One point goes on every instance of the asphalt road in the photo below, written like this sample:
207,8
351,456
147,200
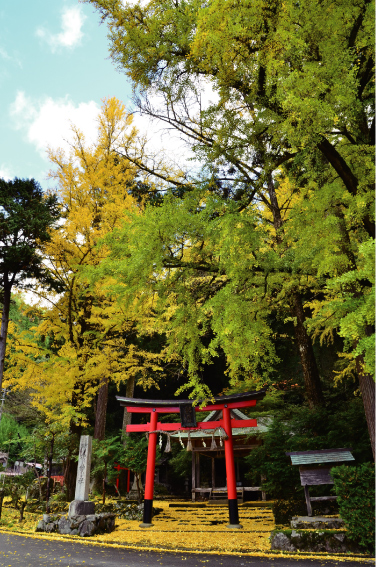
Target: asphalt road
21,551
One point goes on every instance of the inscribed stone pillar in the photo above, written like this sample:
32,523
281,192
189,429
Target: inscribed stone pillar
80,506
83,469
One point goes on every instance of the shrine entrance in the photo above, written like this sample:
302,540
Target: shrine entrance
208,457
222,428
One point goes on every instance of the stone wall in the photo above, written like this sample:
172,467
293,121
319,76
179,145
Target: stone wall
329,541
84,526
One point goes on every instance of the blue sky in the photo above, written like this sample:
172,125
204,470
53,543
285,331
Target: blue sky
54,67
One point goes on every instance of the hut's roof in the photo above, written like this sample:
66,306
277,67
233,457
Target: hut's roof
320,456
263,424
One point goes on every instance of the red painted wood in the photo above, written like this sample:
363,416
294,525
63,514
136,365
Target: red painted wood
117,479
120,468
243,423
152,449
232,405
173,426
229,456
58,478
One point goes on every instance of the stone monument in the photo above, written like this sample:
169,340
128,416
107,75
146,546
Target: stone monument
81,519
81,506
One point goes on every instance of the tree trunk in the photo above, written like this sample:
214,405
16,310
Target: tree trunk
4,328
127,417
367,388
344,171
70,475
48,492
307,357
100,415
104,484
22,509
2,494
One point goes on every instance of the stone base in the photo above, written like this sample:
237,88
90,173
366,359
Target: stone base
316,523
146,525
132,495
82,525
315,541
234,526
81,508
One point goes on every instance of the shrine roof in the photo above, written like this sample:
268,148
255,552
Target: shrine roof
262,426
233,398
320,456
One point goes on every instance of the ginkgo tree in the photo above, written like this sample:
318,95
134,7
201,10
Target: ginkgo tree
92,338
291,93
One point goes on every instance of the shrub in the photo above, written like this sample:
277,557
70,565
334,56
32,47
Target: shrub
284,510
282,480
355,488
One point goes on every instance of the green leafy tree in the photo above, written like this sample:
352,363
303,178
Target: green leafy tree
26,217
293,95
135,458
105,453
11,435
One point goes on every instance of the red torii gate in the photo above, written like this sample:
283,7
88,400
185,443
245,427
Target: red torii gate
120,468
188,423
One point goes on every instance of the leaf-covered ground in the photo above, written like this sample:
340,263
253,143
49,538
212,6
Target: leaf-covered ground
198,528
186,529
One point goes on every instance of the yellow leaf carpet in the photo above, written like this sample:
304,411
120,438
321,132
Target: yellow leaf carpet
188,528
184,528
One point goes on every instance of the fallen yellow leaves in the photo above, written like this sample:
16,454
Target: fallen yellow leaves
10,520
190,530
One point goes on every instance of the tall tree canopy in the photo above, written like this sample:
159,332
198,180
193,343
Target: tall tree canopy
91,338
290,130
26,217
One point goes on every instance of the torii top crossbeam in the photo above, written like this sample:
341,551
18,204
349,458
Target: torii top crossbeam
236,399
188,423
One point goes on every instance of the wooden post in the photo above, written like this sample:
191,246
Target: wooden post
150,472
263,494
198,476
230,471
193,476
213,472
308,501
117,468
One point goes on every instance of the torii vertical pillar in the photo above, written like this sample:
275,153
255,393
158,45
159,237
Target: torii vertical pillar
230,472
150,472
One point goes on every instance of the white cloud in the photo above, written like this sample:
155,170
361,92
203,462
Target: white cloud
5,172
163,138
72,20
5,55
47,122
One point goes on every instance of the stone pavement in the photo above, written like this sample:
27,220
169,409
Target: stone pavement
21,551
